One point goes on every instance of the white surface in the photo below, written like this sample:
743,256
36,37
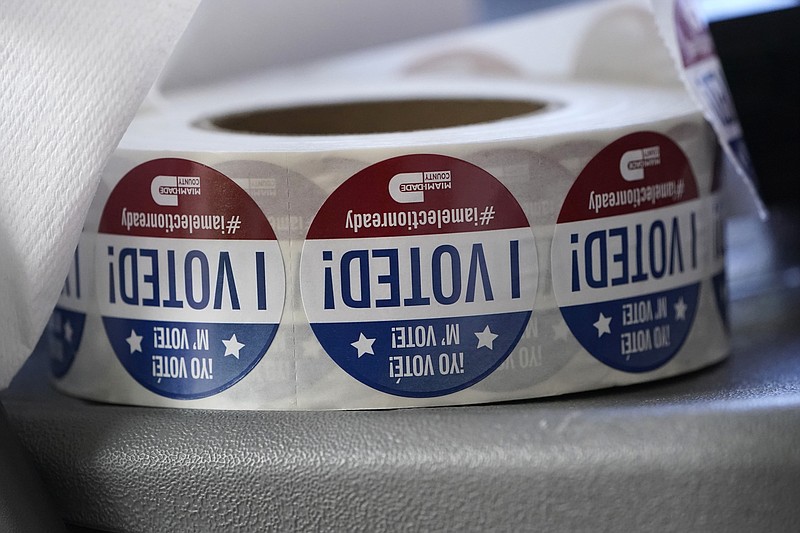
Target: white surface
73,74
232,38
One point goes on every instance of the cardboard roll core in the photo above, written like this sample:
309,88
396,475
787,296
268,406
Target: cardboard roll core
386,116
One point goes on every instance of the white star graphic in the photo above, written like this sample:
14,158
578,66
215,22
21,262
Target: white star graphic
135,342
486,338
68,331
603,325
232,346
680,309
363,345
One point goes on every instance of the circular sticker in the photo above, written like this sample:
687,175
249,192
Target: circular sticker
546,344
419,274
190,278
625,258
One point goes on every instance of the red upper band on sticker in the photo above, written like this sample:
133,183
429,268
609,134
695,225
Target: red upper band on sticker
635,173
177,198
423,194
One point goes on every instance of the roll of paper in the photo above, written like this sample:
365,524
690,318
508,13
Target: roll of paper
403,238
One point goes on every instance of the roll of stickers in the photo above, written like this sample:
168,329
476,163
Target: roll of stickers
442,244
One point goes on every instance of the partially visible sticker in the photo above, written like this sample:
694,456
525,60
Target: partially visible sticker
546,345
718,277
419,274
190,278
66,324
707,80
625,259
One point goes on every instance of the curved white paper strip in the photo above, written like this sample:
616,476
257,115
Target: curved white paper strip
73,74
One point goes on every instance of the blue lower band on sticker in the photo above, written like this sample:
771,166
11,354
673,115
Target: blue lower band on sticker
187,360
422,358
635,334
